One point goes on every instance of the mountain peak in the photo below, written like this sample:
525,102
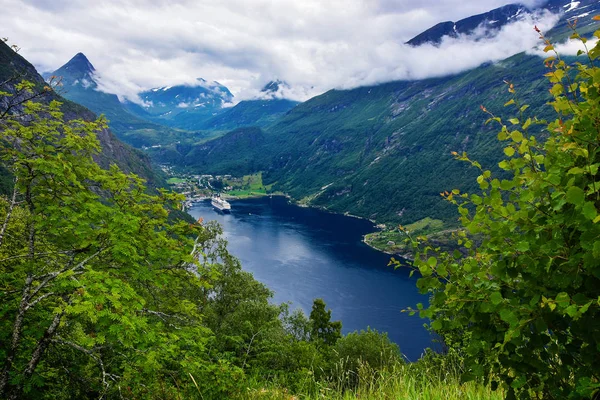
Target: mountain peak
80,63
273,86
78,70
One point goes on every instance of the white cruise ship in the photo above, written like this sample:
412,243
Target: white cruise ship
220,204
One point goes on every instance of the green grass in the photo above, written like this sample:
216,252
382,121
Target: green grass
174,181
249,186
432,379
393,240
241,194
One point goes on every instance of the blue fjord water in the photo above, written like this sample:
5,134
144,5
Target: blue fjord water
304,253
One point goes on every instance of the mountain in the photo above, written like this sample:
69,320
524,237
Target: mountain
183,106
384,152
262,111
79,84
171,114
250,113
489,23
113,151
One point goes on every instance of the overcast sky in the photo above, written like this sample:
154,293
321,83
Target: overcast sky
314,45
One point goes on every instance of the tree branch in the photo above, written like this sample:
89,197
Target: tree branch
91,354
16,337
10,210
48,277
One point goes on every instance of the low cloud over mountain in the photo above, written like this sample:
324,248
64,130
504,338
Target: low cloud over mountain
312,45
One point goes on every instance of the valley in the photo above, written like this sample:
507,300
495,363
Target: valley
380,152
300,200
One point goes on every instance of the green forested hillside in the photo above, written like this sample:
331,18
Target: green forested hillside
385,152
382,152
250,113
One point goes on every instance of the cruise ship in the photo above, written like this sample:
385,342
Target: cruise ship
220,204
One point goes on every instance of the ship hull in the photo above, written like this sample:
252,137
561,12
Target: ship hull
222,208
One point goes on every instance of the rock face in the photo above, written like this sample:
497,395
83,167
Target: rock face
490,22
14,68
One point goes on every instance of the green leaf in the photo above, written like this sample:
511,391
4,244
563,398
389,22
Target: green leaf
522,246
596,249
589,210
496,298
509,317
432,262
575,171
509,151
516,136
563,299
436,325
575,195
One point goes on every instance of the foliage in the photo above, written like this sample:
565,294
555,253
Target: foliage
108,291
99,291
322,329
524,305
364,354
434,377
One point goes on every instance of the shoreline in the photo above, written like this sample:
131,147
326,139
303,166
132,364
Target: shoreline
295,202
378,227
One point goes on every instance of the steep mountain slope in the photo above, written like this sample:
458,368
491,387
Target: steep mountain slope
237,151
132,123
169,115
79,85
12,65
263,110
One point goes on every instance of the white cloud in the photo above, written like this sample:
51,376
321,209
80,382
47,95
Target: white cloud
313,45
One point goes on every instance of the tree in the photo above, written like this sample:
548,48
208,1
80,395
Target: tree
524,305
99,292
322,328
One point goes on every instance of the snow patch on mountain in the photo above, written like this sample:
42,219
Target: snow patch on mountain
571,6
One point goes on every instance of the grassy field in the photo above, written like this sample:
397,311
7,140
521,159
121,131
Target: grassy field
393,240
433,379
173,181
249,186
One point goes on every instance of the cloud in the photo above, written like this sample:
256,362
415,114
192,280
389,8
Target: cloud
313,45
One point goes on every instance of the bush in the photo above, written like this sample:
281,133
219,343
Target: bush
524,304
361,355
